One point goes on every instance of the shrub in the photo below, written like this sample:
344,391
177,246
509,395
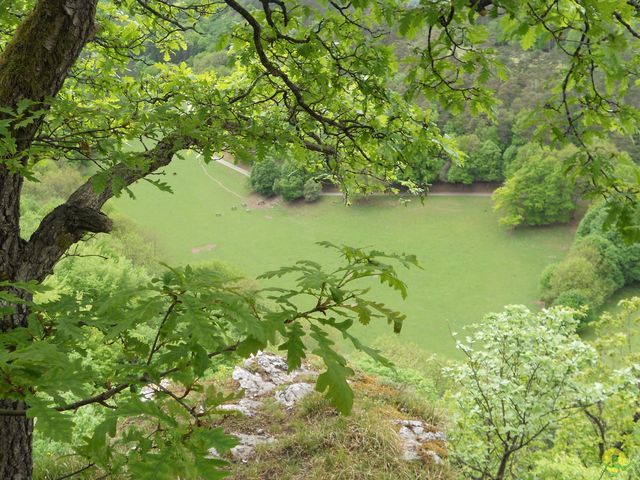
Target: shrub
312,190
577,300
599,263
604,256
573,273
264,175
628,255
588,276
521,378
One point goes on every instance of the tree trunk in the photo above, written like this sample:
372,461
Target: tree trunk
16,461
502,469
33,66
16,431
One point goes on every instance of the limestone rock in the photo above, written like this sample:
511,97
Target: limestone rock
263,372
420,439
245,406
149,391
244,450
293,394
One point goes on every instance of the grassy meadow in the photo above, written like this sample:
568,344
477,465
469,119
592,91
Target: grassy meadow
471,266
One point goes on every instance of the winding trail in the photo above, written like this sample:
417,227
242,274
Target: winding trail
224,187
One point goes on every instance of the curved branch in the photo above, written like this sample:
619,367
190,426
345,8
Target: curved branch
33,67
80,214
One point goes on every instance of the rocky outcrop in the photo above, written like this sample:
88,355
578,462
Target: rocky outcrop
422,441
293,394
265,375
246,446
261,376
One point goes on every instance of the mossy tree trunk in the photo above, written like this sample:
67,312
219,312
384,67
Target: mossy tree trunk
33,66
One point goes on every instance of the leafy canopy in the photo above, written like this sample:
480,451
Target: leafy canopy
97,349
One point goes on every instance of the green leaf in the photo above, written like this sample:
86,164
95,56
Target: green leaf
334,382
55,425
529,38
294,346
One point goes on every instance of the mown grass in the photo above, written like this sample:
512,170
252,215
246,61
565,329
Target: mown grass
471,266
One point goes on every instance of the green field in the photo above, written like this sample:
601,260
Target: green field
471,266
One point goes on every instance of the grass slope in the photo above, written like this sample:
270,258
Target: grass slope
315,443
470,265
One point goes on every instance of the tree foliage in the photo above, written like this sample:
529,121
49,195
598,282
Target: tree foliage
99,348
92,82
312,190
482,163
528,408
537,190
290,183
263,177
599,263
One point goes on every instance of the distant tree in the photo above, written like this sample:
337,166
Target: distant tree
538,192
483,161
290,183
312,190
573,274
264,175
628,253
599,263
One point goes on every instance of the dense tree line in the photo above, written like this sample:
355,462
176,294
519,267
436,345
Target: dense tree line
599,263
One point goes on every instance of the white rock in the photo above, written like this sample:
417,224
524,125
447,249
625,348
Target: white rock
245,406
252,383
244,450
414,434
434,456
149,391
293,393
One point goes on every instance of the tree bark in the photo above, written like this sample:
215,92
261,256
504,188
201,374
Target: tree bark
502,468
15,443
15,430
33,67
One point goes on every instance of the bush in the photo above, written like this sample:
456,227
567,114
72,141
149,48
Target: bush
588,276
577,300
538,192
522,374
604,255
291,182
312,190
598,264
573,273
264,175
628,255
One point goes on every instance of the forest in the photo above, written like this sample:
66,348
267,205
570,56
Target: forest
319,239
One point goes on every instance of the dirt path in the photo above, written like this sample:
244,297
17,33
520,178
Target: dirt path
222,185
232,166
